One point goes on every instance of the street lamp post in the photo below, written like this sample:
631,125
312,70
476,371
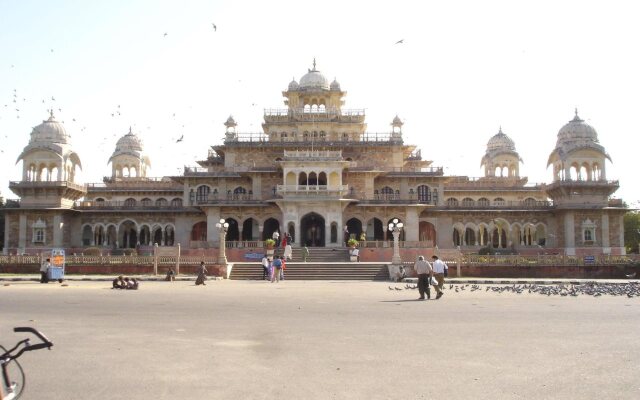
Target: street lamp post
395,227
222,226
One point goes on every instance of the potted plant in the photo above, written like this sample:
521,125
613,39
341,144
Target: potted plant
269,243
352,243
353,253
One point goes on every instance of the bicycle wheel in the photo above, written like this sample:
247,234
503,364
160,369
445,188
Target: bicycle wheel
15,386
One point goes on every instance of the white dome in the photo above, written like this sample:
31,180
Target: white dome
293,85
129,144
500,141
576,129
49,132
335,85
314,79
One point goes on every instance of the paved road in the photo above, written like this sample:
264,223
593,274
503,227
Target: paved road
321,340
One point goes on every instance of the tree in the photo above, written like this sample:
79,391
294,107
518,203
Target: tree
1,222
631,231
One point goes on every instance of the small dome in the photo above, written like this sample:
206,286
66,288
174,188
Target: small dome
129,144
293,85
230,122
576,129
397,121
500,141
48,132
314,79
335,85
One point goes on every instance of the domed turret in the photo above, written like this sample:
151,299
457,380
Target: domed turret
49,156
293,85
578,155
501,158
128,159
335,85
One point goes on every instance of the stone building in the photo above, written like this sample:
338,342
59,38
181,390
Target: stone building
316,172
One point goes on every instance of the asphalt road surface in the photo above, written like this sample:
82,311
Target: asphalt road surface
320,340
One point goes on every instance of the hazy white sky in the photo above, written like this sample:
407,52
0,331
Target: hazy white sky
465,69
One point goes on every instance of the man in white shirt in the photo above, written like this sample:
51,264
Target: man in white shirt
276,238
356,253
265,268
44,270
438,272
424,270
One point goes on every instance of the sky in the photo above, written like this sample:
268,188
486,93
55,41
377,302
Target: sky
463,70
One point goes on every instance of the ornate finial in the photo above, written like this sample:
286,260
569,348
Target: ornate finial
314,63
51,113
130,132
500,130
576,118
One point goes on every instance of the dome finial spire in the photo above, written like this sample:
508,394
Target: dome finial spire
576,118
51,113
314,63
500,129
130,132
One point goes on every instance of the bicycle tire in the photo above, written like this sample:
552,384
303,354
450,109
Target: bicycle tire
16,375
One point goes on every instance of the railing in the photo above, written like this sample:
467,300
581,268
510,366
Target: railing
512,205
134,183
464,182
319,114
546,260
312,190
428,171
201,171
123,205
313,155
47,184
363,139
215,198
389,243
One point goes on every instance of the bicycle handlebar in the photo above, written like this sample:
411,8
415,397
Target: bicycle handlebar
42,337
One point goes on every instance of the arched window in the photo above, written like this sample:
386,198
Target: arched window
530,202
387,193
146,202
161,202
468,202
202,194
452,202
239,193
424,194
130,202
176,203
484,202
498,201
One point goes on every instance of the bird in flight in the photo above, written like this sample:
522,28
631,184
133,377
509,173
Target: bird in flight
399,41
215,28
165,34
180,140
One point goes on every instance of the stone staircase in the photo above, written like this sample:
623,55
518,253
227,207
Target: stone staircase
329,271
318,254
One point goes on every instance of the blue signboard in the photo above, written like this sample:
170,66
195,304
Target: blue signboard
253,256
589,259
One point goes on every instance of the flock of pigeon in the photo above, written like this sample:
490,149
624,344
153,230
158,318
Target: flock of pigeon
595,289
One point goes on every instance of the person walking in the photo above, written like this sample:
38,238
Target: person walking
202,274
277,268
44,270
265,268
438,272
288,252
424,271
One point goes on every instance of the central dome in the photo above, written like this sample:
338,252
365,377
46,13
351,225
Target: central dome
314,80
129,144
577,130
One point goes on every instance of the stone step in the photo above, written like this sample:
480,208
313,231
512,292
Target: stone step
316,271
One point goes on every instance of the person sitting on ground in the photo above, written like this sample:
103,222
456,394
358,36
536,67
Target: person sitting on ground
133,284
171,275
119,283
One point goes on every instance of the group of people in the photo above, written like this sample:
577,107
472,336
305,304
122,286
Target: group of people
430,274
125,283
273,269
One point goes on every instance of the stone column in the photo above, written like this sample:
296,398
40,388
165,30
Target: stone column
569,234
411,225
606,242
327,233
298,236
7,223
22,232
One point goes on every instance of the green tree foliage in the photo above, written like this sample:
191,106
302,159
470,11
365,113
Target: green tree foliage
631,231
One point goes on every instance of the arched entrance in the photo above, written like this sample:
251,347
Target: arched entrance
374,229
427,232
312,230
354,225
270,225
128,234
199,231
233,233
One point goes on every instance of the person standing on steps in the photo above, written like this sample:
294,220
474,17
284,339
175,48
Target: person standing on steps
305,253
265,268
276,237
424,271
438,272
277,268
